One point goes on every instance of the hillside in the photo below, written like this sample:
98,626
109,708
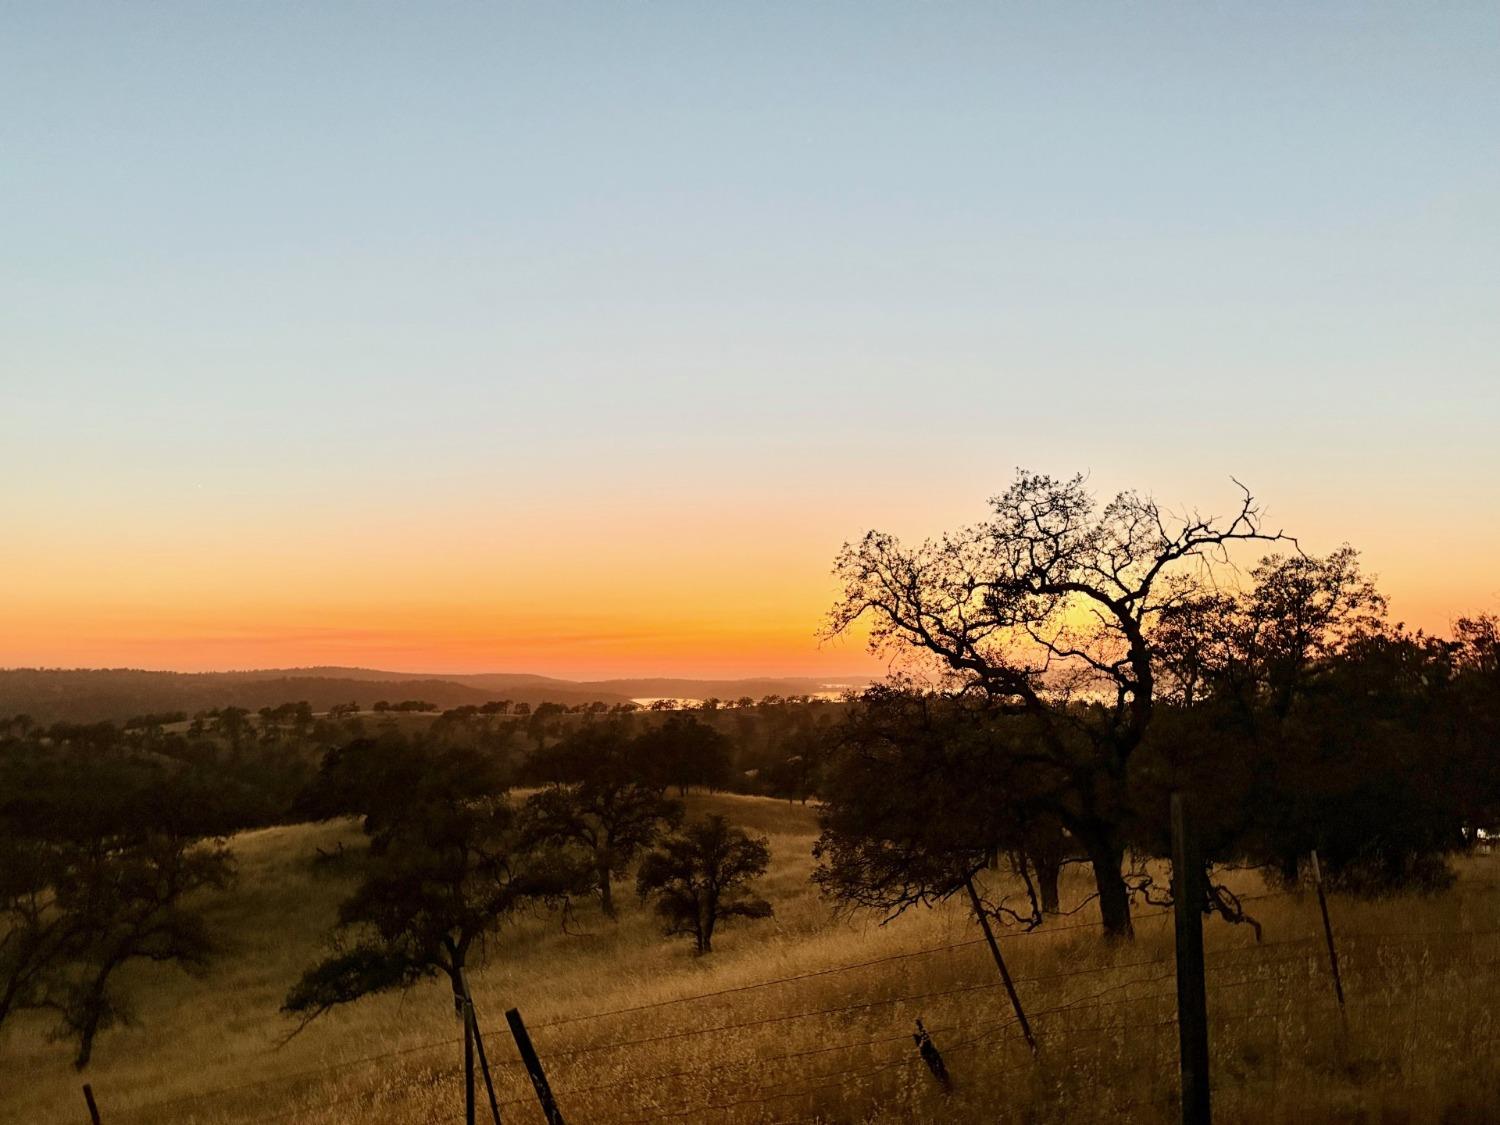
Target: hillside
496,680
87,695
807,1015
93,695
676,687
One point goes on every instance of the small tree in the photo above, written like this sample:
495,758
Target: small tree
543,722
234,724
450,862
99,848
129,907
684,751
595,798
701,876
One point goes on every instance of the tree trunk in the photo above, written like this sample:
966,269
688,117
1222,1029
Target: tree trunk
456,979
606,897
25,964
1108,860
1289,867
1043,850
86,1018
85,1045
707,916
89,1012
1047,868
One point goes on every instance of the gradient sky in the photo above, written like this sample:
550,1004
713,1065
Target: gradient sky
576,338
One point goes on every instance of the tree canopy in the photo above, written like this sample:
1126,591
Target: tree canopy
700,876
451,859
1045,609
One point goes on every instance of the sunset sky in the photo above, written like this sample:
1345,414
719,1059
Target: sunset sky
575,339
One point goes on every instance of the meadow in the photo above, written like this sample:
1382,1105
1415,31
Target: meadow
807,1016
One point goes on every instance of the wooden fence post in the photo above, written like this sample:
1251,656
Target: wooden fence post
484,1062
1010,988
88,1097
1192,993
1333,953
468,1064
534,1068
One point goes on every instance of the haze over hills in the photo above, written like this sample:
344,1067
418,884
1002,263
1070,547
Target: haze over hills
628,687
97,694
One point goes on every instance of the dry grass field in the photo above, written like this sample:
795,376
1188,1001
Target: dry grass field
832,1045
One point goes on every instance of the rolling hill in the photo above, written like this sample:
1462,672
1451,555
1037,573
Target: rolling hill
97,694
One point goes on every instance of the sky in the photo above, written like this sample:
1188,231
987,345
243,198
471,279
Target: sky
575,339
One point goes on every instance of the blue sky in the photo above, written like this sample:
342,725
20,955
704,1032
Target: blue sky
274,270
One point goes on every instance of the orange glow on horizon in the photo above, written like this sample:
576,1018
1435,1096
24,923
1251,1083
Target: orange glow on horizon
775,634
697,590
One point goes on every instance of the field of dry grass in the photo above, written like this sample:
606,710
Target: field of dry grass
833,1045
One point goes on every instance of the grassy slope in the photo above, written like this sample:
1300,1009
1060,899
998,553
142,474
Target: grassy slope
1417,1048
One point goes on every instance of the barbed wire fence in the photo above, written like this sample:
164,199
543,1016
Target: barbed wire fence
604,1079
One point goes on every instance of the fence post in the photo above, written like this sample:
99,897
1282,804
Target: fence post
88,1096
1333,953
468,1063
484,1062
1010,988
534,1068
1192,993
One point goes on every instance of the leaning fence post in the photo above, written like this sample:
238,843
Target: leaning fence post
468,1063
534,1068
1010,988
88,1096
1192,993
1333,953
484,1062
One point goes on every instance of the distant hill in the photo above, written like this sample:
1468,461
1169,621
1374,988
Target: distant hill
655,687
91,695
501,681
82,695
644,687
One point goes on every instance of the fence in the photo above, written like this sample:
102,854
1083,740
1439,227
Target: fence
1104,1024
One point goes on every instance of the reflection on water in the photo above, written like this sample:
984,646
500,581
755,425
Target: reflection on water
836,692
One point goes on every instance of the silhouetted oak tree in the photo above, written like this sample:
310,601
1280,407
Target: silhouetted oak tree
682,750
450,861
130,905
700,876
1045,610
596,798
99,848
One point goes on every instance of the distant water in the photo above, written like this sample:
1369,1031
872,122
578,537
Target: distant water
682,701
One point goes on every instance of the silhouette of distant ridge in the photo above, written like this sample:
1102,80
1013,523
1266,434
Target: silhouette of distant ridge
96,694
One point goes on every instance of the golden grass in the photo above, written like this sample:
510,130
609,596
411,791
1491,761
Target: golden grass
1417,1049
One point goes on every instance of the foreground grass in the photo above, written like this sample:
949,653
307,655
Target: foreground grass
833,1047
